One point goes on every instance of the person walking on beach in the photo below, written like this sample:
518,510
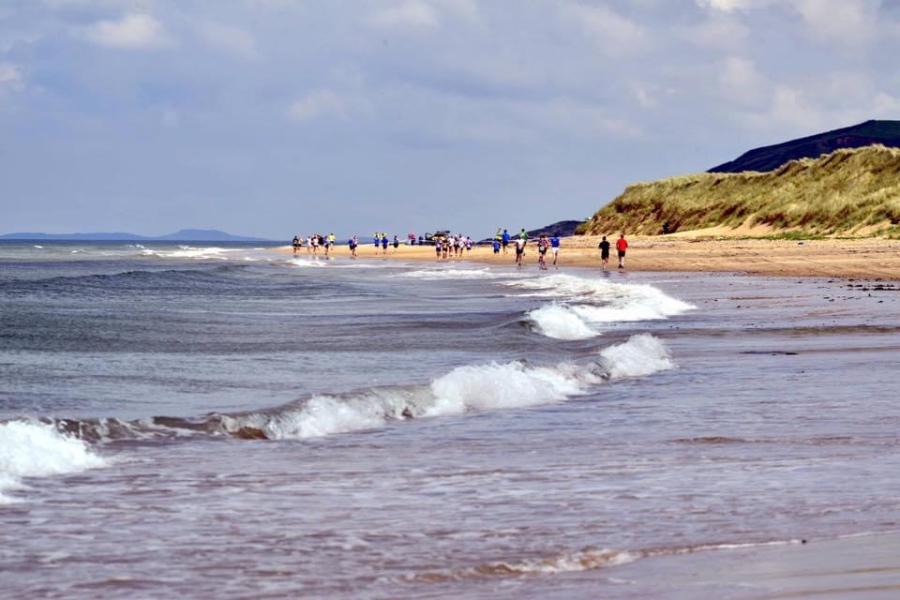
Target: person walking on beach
353,243
604,252
621,247
520,250
296,244
437,248
384,243
554,247
504,240
396,243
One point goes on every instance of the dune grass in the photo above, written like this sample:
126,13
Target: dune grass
842,193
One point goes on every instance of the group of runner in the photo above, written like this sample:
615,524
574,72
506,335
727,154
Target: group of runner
545,243
313,243
621,247
452,246
381,241
458,245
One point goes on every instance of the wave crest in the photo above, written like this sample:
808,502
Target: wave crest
39,450
581,306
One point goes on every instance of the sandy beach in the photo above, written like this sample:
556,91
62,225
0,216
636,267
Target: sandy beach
869,258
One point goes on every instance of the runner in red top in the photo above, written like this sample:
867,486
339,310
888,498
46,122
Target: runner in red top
622,246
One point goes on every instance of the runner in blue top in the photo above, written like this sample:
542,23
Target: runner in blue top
554,247
505,240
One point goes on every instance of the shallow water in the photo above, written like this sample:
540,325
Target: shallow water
430,431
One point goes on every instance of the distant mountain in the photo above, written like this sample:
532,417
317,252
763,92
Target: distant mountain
184,235
770,158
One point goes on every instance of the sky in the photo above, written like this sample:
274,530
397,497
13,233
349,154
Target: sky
276,117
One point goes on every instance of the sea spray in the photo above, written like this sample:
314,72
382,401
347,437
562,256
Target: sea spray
37,450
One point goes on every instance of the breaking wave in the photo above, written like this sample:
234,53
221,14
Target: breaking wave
581,307
472,388
208,253
29,449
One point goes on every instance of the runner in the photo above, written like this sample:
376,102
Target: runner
353,243
296,244
554,246
604,252
384,243
622,246
520,250
396,243
504,239
542,252
437,248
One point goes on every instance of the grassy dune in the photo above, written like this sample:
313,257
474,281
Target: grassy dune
852,192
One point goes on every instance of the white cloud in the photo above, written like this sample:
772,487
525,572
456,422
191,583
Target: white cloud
724,32
741,81
10,74
843,21
134,31
615,34
790,107
318,103
409,15
847,22
230,39
734,5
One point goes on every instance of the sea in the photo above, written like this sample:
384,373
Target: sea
225,421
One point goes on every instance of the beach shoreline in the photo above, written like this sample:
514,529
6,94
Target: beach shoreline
842,567
868,258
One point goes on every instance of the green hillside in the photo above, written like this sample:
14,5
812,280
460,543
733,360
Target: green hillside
847,192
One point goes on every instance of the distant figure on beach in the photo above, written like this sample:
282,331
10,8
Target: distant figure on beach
396,243
604,252
543,244
554,247
523,235
353,243
384,243
520,250
377,241
296,243
437,248
496,245
622,246
504,239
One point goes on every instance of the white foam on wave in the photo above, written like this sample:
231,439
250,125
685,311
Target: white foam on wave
209,253
493,386
642,355
445,274
301,262
583,306
38,450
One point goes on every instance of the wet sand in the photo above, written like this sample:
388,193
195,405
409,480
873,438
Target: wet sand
848,259
865,566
